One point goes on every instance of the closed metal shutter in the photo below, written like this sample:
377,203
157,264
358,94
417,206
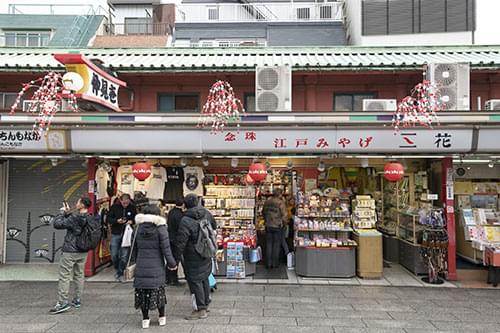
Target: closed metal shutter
432,15
400,17
36,191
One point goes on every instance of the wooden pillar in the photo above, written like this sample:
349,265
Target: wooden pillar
449,207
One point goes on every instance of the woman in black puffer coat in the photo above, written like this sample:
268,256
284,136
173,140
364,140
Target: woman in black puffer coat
153,250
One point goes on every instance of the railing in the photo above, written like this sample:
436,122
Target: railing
259,12
156,29
55,9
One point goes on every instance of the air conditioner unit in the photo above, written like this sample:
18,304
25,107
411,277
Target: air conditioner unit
454,84
273,88
379,105
492,105
28,103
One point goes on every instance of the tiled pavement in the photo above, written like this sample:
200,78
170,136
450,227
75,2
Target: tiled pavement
238,307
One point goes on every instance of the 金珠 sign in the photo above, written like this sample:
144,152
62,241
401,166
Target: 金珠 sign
98,87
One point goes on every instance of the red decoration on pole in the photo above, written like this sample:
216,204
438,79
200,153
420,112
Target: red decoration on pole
47,100
420,108
221,107
393,171
257,171
248,180
141,170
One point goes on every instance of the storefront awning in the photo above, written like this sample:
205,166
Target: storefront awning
246,59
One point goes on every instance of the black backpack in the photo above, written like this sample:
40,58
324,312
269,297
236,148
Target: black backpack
206,244
91,233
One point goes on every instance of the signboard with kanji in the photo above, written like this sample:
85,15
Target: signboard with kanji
27,140
98,86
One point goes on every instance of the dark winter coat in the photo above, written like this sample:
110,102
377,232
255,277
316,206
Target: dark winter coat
275,213
73,224
152,248
116,212
196,268
173,221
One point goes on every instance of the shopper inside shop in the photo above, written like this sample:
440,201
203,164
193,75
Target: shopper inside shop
174,218
197,268
120,214
153,250
275,217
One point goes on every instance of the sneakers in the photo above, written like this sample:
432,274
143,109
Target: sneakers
162,321
196,315
145,323
76,303
60,308
121,279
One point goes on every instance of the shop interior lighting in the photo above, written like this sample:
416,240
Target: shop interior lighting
205,161
491,164
54,161
472,161
364,162
321,166
184,162
234,162
289,164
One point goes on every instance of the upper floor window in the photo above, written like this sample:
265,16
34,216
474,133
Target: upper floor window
344,102
213,13
26,38
178,102
392,17
7,99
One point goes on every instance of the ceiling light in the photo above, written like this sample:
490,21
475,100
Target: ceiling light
321,166
289,164
205,161
364,163
234,162
184,162
53,161
491,164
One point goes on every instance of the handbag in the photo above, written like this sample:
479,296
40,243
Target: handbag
129,272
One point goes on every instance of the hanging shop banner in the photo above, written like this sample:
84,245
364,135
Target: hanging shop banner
29,141
488,140
98,86
438,140
136,141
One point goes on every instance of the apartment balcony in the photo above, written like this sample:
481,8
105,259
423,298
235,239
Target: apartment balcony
260,12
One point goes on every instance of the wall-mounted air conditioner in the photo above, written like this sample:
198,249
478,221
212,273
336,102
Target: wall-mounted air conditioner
492,105
273,88
454,84
379,105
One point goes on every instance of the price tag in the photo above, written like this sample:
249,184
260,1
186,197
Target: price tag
432,196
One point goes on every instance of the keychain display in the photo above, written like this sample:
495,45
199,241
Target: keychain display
434,249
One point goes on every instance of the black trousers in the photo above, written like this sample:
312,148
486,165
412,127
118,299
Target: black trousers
201,291
274,241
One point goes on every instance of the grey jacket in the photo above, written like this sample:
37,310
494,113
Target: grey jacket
73,224
275,213
152,248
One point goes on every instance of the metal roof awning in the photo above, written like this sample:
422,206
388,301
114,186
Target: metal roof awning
246,59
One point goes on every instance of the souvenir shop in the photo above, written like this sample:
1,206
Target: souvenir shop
346,214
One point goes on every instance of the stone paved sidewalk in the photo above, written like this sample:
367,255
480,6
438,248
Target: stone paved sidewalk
107,307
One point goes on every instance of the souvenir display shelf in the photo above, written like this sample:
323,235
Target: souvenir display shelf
233,207
323,246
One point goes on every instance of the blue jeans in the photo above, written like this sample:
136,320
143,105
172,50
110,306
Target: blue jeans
119,254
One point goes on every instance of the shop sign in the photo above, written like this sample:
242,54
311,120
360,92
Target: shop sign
405,141
98,86
27,140
488,140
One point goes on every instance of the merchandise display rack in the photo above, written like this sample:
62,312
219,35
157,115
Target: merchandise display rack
323,246
233,207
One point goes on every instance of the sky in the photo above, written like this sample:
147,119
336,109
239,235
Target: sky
487,22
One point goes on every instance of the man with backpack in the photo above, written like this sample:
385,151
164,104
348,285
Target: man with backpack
83,233
196,241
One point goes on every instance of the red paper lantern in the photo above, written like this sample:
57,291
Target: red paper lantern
258,172
393,172
141,170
